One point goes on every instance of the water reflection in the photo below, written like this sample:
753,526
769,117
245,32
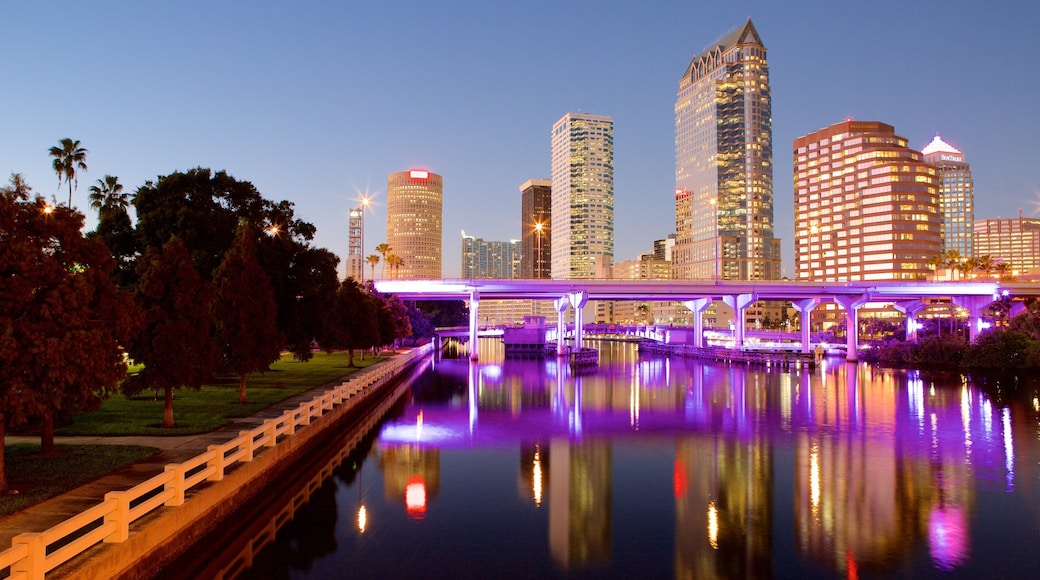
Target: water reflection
670,467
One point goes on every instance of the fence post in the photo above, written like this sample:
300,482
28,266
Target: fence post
217,463
271,426
34,564
248,455
176,485
120,516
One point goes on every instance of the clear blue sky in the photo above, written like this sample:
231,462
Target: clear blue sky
316,102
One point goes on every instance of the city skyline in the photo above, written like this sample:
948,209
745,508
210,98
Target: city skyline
318,104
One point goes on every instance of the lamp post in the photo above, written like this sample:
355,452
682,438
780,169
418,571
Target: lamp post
538,249
715,240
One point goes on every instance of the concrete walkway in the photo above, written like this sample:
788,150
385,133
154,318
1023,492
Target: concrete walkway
49,513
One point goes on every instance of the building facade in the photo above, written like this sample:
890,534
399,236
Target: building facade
1012,241
956,196
489,260
356,243
414,214
724,164
866,206
536,237
582,227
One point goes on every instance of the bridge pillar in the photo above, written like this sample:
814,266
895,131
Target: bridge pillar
474,319
805,308
578,301
697,307
739,304
852,304
910,308
974,305
561,324
1017,308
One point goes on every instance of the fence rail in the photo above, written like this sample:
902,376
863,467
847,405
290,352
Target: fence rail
33,554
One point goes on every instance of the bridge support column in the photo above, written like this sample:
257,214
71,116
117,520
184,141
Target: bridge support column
578,301
852,304
974,305
739,304
474,319
697,307
910,308
561,324
805,308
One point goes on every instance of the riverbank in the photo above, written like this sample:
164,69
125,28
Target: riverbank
228,488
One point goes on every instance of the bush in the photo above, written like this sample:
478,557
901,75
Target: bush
1000,350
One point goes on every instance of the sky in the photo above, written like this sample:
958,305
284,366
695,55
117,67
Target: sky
318,102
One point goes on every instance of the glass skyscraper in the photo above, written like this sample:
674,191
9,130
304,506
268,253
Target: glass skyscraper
956,196
724,164
582,196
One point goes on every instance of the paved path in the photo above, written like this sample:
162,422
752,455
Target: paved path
49,513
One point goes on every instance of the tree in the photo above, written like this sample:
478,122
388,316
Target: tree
69,160
107,195
373,261
395,262
384,250
62,320
176,344
244,311
354,322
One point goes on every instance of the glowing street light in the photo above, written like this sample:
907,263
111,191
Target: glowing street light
538,227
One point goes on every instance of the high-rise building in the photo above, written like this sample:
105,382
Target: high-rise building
582,195
866,206
414,202
1011,241
356,243
956,195
489,260
724,164
536,221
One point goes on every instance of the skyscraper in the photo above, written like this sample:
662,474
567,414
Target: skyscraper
582,195
536,221
489,260
1014,242
866,206
413,222
956,195
724,164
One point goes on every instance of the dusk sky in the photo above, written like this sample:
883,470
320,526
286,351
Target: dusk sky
318,102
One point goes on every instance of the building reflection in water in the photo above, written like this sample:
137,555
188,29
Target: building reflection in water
883,462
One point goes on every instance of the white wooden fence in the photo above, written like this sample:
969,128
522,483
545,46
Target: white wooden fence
33,554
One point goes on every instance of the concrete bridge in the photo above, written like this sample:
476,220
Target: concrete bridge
909,298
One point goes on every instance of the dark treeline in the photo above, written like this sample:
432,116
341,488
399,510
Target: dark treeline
191,275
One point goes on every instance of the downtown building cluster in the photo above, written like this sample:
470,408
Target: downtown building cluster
866,205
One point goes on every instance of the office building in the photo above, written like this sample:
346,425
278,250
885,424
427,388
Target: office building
866,206
414,201
956,196
724,164
582,196
489,260
1014,242
536,237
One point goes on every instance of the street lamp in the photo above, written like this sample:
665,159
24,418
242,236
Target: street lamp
715,245
538,226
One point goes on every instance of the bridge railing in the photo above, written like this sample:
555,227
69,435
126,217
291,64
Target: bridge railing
34,554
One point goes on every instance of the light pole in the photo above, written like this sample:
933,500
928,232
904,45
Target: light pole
715,240
538,249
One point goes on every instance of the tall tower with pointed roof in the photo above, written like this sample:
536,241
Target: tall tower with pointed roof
956,196
724,164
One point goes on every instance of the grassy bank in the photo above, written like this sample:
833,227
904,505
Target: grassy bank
216,404
38,478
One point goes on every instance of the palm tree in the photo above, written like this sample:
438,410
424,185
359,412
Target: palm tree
395,263
69,158
373,260
107,195
384,249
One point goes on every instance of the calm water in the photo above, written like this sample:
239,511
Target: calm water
659,468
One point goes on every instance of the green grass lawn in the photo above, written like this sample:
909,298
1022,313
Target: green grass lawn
215,404
38,477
